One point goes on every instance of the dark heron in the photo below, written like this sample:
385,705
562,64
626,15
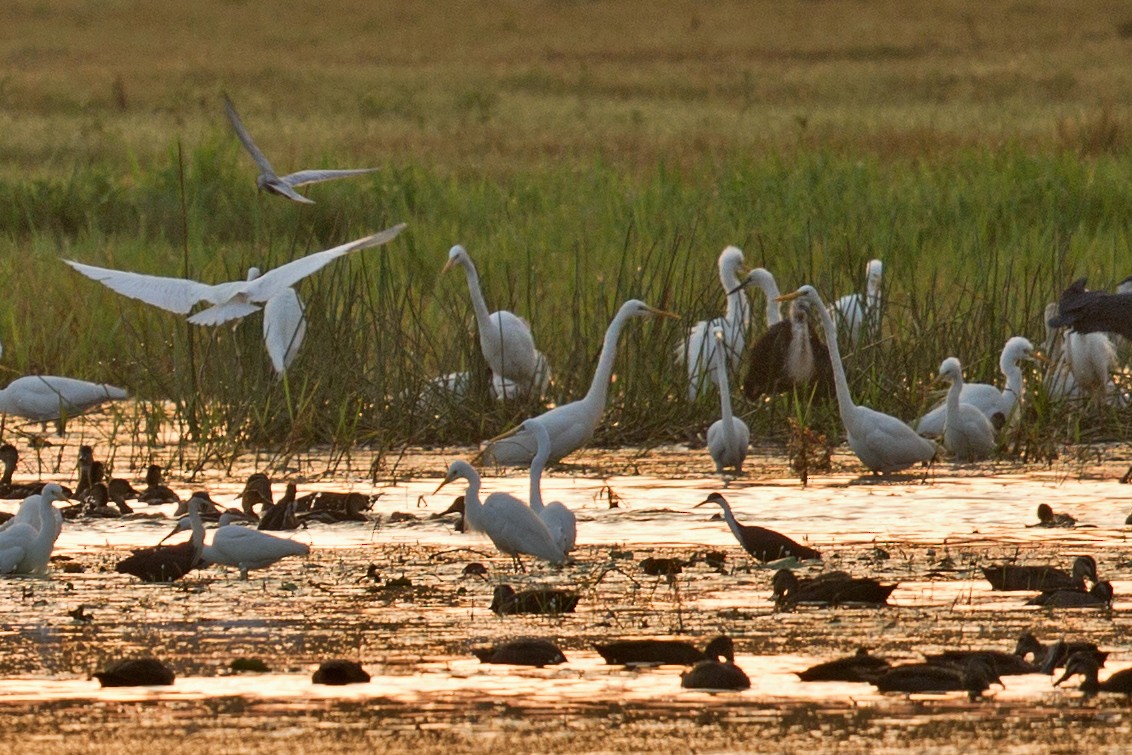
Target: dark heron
790,356
1093,311
762,543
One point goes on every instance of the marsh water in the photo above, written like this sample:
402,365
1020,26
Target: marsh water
413,617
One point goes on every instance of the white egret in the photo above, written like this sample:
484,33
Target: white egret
763,278
728,437
26,543
232,300
49,398
509,523
967,432
571,425
246,548
854,312
1081,363
517,368
988,399
284,326
789,356
882,442
284,186
697,350
561,522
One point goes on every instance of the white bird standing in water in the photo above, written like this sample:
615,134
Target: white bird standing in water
728,437
268,179
26,545
988,399
246,548
697,352
232,300
559,520
882,442
570,426
517,368
967,433
510,524
854,312
48,398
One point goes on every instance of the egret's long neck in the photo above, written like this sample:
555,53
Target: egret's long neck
730,519
1013,373
953,397
537,465
725,399
472,505
773,306
845,403
738,315
197,538
483,323
599,386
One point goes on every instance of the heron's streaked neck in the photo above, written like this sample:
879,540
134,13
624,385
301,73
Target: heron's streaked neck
845,403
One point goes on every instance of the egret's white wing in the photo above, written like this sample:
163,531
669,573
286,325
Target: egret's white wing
172,294
245,137
283,328
232,309
273,282
304,177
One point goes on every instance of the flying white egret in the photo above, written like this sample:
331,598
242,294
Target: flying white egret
728,437
882,442
48,398
967,432
232,300
571,425
26,545
854,312
509,523
269,180
284,327
988,399
561,522
697,350
789,356
246,548
517,368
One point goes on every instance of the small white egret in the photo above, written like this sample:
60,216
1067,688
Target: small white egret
967,433
284,327
26,543
517,368
728,437
696,353
988,399
49,398
246,548
268,180
232,300
789,356
571,425
882,442
509,523
561,522
854,312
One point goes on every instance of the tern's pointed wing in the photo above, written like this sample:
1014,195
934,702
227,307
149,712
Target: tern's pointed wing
246,138
274,281
304,177
283,189
172,294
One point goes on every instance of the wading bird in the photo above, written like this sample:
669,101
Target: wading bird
728,438
247,548
698,350
571,425
269,180
996,404
559,520
882,442
168,563
764,280
517,368
48,398
509,523
1081,364
967,433
790,356
854,312
763,544
284,326
26,542
229,301
1093,311
717,672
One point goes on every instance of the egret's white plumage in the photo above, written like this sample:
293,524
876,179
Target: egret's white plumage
246,548
764,280
48,398
26,545
988,399
559,520
882,442
510,524
854,312
728,437
967,432
517,368
571,425
232,300
697,351
269,180
284,327
1081,364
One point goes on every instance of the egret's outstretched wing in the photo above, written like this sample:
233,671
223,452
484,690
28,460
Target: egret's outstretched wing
275,281
304,177
245,137
172,294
